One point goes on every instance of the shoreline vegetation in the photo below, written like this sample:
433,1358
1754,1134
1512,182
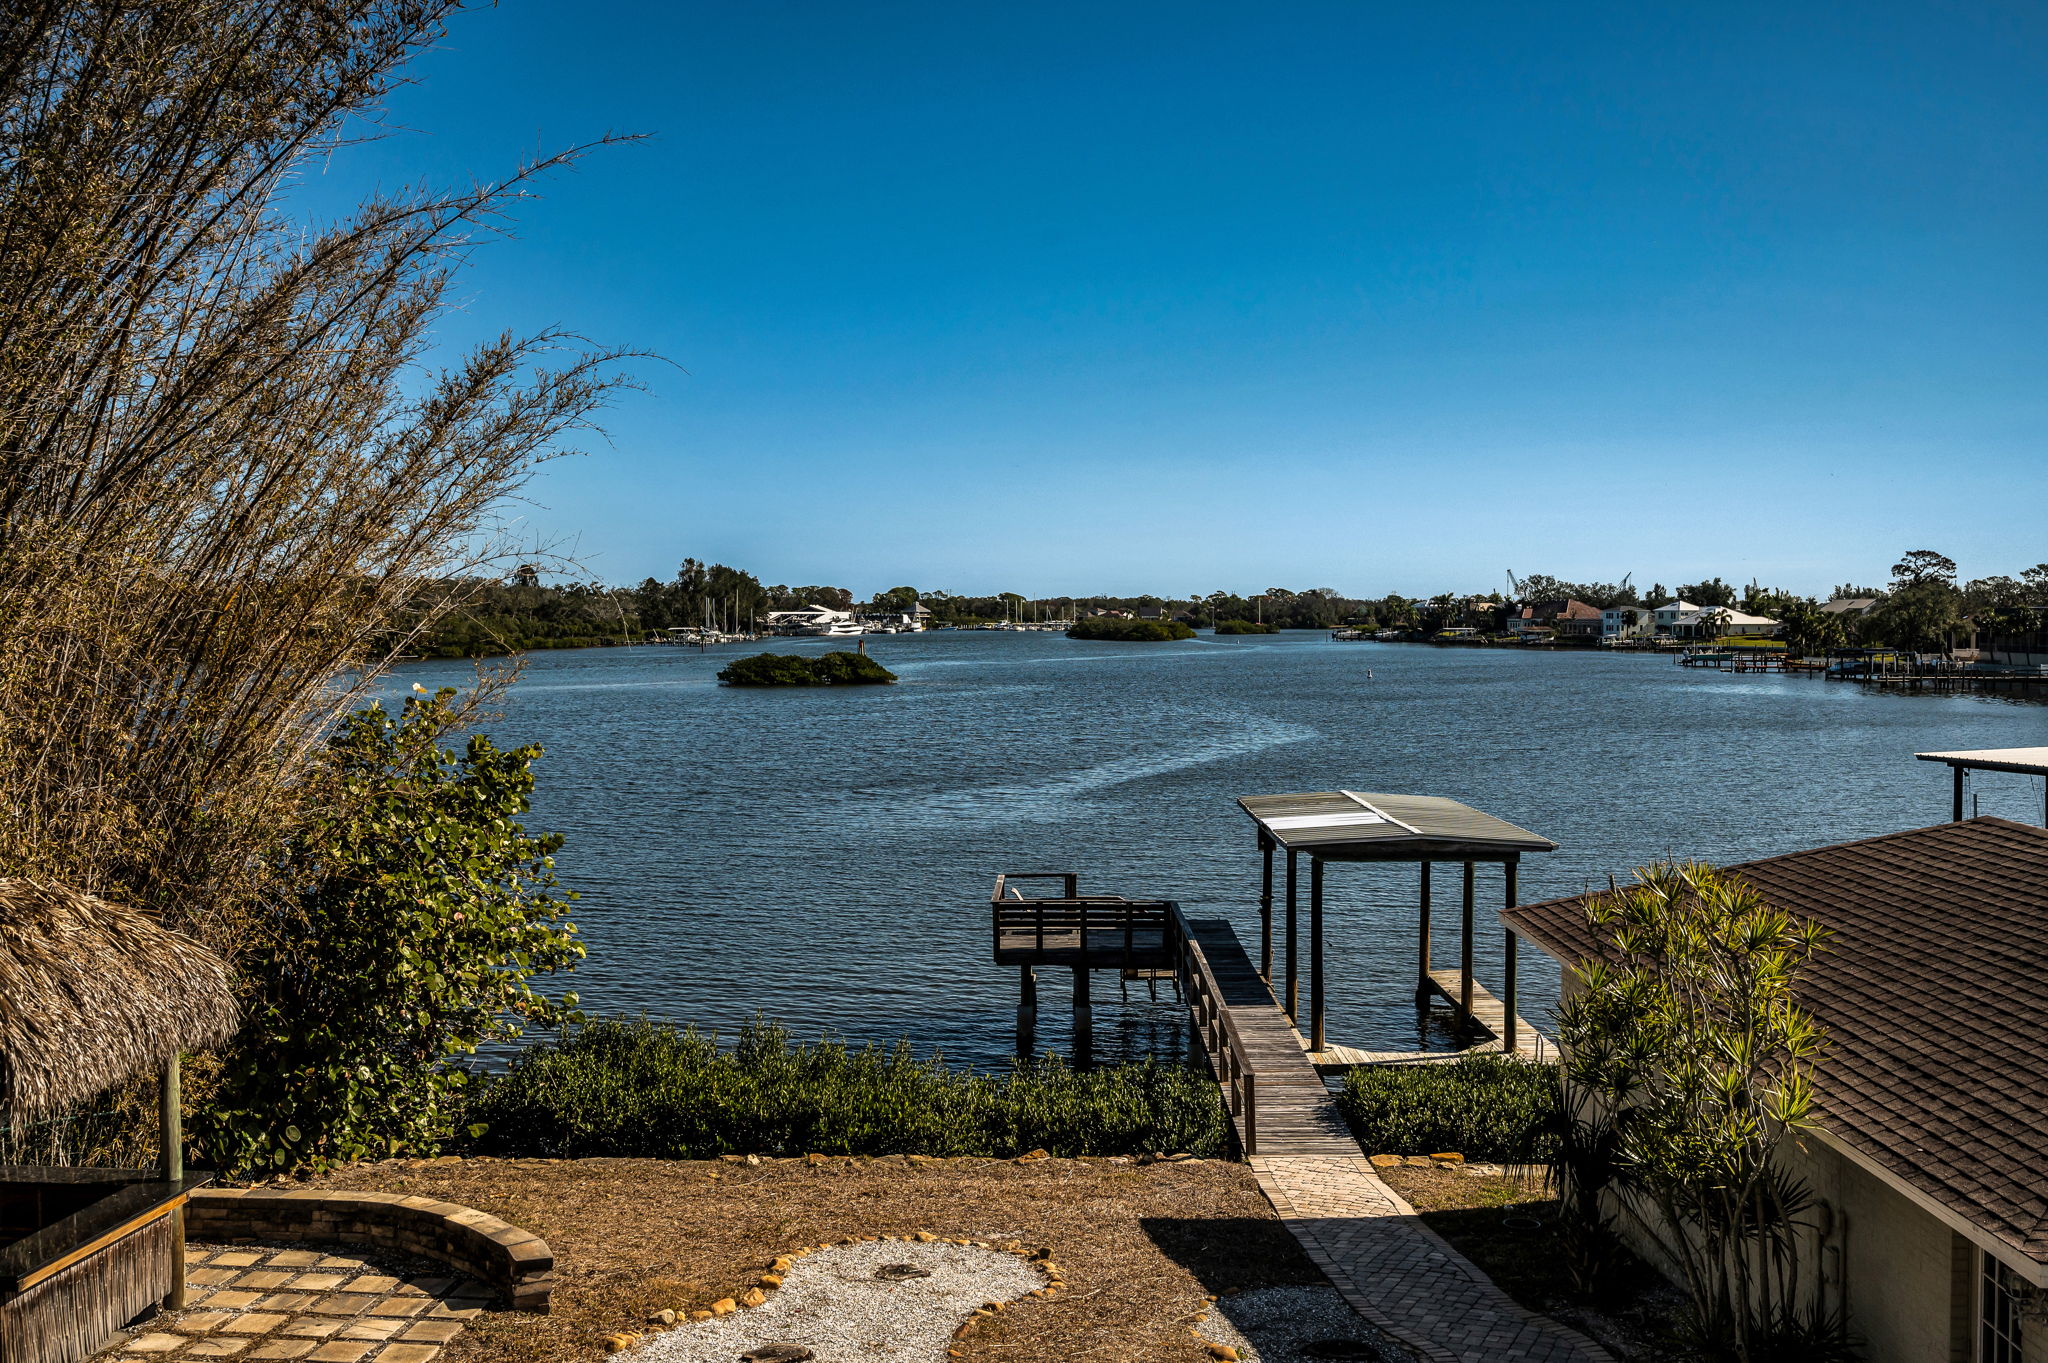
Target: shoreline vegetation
791,669
1114,630
622,1087
1926,606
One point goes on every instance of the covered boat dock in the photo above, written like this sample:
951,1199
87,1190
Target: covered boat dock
2023,761
1350,826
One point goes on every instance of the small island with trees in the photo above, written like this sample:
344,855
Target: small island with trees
1245,627
1111,628
789,669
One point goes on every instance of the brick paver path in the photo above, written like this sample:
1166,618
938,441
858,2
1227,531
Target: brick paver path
259,1302
1399,1275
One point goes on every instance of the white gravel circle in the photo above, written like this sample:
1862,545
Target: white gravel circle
1278,1324
831,1303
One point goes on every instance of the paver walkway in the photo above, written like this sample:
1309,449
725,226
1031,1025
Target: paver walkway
265,1302
1398,1274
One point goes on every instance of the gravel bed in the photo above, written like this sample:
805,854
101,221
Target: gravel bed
1297,1325
832,1303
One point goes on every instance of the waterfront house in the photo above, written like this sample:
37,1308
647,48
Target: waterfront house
1713,622
1850,606
1930,1164
1630,621
1567,619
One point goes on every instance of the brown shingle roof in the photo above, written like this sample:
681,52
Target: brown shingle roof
1934,992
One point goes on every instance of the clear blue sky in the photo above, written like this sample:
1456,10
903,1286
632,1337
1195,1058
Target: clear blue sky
1128,297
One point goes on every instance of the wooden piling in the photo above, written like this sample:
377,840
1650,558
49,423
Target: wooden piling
1291,1004
1266,908
1465,945
1422,947
1315,952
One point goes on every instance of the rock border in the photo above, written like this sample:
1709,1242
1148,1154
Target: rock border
517,1263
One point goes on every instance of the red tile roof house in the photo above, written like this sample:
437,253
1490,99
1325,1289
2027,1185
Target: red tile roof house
1568,619
1932,1156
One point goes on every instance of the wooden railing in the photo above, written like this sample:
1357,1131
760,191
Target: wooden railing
1228,1058
1013,916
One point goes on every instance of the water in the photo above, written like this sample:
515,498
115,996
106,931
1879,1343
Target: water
824,857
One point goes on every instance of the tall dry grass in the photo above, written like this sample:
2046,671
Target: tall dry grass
226,462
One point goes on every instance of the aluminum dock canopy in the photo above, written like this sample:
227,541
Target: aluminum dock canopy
1348,825
2025,761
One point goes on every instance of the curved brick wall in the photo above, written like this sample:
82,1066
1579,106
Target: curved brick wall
501,1255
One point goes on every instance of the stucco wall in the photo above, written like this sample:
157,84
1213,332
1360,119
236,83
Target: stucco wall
1905,1272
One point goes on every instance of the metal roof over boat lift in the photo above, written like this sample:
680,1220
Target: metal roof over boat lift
1347,825
2030,761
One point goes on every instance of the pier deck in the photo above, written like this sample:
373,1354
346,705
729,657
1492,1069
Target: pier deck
1490,1015
1295,1113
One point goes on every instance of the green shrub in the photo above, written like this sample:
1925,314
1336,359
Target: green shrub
789,669
1130,631
1244,627
623,1087
423,911
1485,1106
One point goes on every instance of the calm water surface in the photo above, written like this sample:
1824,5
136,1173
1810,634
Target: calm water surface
824,857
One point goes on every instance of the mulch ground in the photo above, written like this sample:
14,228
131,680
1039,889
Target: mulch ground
1140,1246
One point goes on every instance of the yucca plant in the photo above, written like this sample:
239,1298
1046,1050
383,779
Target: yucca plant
1688,1066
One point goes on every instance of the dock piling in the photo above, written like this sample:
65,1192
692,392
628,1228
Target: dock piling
1266,908
1422,949
1465,942
1315,952
1291,1004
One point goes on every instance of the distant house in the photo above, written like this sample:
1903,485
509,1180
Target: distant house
1850,605
1632,620
1567,619
1151,612
1927,1167
1683,620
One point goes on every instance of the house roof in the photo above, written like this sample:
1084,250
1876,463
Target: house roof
92,994
1933,990
1841,604
1344,825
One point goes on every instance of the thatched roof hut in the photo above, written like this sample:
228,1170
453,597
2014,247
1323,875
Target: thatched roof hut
92,995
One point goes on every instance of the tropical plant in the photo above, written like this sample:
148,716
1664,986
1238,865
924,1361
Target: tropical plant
422,914
1688,1067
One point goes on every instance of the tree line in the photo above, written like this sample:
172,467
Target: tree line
1924,606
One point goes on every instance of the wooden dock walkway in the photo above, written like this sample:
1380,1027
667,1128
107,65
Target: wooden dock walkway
1294,1113
1490,1015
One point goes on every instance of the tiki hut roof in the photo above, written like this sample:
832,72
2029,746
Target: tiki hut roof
92,994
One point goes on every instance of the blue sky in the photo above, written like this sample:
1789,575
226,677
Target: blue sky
1171,297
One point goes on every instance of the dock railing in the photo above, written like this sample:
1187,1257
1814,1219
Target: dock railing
1228,1057
1135,927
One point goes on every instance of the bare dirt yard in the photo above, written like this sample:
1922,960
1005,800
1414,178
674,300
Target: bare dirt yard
1140,1246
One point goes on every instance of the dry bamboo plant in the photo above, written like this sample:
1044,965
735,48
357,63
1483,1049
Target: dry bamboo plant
226,469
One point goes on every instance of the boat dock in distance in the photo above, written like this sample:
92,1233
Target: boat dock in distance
1269,1070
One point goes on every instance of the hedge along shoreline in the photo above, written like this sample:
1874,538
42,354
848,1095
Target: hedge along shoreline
1485,1106
636,1088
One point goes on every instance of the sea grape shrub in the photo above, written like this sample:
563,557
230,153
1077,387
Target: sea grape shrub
1130,631
1486,1106
634,1088
421,915
851,668
789,669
